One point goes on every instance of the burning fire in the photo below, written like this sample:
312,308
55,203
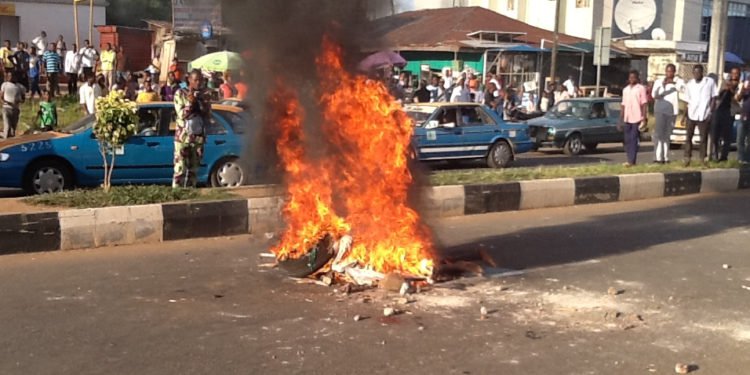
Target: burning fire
366,168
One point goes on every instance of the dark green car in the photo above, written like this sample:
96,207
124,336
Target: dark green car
577,124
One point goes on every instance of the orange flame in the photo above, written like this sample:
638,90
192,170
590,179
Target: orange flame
368,138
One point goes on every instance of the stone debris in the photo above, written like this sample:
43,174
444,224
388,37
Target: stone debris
726,266
483,313
357,318
404,289
389,311
392,282
612,291
681,368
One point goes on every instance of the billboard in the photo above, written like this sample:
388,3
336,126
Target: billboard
190,15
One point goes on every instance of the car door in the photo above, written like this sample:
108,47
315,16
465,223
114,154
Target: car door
596,128
613,134
444,141
147,156
217,142
479,129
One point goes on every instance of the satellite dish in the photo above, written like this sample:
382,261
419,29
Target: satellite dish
658,34
635,16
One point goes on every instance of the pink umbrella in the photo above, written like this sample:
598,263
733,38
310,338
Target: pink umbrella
381,59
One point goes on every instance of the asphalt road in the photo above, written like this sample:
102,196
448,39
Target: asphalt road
605,153
205,306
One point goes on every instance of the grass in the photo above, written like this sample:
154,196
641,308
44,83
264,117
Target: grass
487,176
68,111
126,196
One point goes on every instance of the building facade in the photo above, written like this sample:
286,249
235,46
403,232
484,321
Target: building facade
23,20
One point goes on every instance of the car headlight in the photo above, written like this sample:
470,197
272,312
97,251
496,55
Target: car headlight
4,156
551,131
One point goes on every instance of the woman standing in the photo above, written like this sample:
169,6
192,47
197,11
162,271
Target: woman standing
666,108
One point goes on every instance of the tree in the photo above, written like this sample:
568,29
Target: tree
132,12
116,121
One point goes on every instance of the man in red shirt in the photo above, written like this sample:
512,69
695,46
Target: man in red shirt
241,87
633,115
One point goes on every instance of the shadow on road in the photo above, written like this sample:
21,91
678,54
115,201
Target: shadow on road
611,234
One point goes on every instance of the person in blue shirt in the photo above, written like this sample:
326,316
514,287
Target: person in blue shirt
52,64
35,69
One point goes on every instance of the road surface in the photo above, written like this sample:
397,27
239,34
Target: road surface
205,306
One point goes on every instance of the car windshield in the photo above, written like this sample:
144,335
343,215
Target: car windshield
239,121
569,108
79,126
419,114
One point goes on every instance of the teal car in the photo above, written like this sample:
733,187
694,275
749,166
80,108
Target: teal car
577,124
465,131
55,161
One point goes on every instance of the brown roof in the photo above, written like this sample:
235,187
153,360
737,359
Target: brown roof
446,29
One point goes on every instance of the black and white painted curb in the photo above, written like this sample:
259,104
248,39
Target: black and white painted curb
89,228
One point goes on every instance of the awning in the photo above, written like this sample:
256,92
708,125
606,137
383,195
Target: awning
731,58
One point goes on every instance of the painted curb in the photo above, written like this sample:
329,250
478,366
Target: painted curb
113,226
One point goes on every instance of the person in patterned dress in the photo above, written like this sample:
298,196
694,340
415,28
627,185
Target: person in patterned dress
193,112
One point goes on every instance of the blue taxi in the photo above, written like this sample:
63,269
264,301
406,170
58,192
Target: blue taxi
454,131
54,161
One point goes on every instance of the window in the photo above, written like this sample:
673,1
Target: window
447,116
511,4
472,116
597,110
583,3
148,118
614,109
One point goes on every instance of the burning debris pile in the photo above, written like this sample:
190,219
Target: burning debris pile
347,212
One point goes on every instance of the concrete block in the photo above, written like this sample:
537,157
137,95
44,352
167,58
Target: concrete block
25,233
641,186
265,214
681,183
719,180
77,229
113,226
591,190
480,199
443,201
744,178
558,192
148,223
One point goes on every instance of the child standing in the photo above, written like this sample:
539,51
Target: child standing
46,117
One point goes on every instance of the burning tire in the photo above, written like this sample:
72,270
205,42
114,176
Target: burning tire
500,155
315,258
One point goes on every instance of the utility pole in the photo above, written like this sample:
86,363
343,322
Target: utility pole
75,22
718,39
553,61
91,22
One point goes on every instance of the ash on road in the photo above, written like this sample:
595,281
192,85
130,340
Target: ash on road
205,306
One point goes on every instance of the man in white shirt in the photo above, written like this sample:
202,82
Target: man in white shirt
40,43
700,95
570,87
88,58
72,67
666,108
87,95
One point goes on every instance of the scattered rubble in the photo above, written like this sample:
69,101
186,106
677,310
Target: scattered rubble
726,266
681,368
357,318
482,313
389,311
612,291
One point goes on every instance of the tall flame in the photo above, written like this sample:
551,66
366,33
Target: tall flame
368,138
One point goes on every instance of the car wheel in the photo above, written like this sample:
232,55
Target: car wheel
500,155
573,145
48,176
591,147
228,173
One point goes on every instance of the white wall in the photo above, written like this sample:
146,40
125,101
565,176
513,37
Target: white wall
578,21
57,19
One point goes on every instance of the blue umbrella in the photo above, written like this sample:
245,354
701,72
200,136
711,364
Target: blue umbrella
732,59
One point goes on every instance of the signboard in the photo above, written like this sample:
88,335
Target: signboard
207,30
190,15
602,43
7,9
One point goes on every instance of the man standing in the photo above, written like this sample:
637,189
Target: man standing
88,58
723,119
6,63
109,62
666,108
121,64
743,130
21,65
193,110
40,43
700,94
60,46
87,94
72,67
634,114
52,64
13,96
570,86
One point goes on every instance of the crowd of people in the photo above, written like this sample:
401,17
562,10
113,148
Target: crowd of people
88,74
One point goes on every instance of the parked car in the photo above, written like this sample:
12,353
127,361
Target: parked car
454,131
679,134
54,161
575,124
